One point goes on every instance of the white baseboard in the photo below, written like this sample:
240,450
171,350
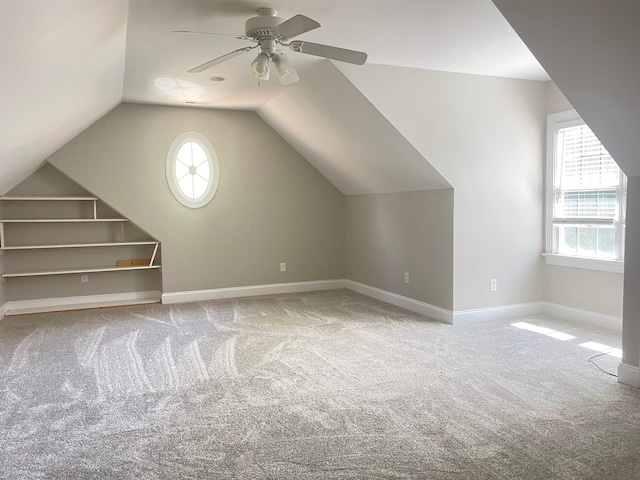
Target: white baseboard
582,316
401,301
464,317
459,317
41,305
250,291
629,375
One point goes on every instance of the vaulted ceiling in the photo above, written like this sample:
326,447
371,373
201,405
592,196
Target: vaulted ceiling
65,63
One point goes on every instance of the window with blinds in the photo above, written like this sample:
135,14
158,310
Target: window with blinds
587,195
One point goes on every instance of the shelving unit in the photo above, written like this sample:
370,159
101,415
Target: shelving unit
67,271
61,220
22,198
25,248
77,245
43,198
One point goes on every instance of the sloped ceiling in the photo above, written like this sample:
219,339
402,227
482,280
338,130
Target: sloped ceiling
590,49
62,67
65,63
346,138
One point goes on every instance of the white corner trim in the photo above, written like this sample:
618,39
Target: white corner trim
21,307
463,317
612,266
629,375
250,291
401,301
3,310
582,316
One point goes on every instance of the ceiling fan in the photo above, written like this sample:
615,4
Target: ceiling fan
269,32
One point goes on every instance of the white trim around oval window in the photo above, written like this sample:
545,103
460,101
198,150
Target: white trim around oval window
213,170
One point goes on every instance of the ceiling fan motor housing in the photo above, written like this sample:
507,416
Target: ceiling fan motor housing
260,27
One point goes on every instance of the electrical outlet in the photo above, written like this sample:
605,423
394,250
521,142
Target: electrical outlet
283,267
406,277
493,285
84,278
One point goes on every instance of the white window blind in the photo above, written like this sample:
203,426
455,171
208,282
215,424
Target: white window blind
587,195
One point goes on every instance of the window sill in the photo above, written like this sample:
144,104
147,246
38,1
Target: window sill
613,266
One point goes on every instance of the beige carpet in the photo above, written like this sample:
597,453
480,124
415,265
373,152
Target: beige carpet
324,385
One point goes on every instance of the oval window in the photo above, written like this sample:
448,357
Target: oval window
192,170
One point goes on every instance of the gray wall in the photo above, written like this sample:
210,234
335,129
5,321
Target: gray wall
631,319
485,136
389,234
272,206
590,290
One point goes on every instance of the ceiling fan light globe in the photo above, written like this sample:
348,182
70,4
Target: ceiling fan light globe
290,79
283,65
286,72
260,66
264,77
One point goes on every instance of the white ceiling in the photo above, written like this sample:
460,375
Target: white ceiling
66,63
467,36
61,69
346,138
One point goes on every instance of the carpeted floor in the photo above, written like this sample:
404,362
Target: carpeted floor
323,385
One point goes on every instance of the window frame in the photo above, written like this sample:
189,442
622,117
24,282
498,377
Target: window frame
170,169
555,121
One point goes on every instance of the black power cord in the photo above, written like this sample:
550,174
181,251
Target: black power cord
590,360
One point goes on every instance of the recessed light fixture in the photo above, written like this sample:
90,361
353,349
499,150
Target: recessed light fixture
217,79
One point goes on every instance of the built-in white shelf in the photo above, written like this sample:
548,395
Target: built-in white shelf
78,245
68,271
48,199
61,220
4,223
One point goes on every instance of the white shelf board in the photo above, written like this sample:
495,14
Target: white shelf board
47,199
78,245
61,220
67,271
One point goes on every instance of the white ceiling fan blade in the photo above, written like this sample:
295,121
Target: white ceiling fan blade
223,58
334,53
195,32
296,25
